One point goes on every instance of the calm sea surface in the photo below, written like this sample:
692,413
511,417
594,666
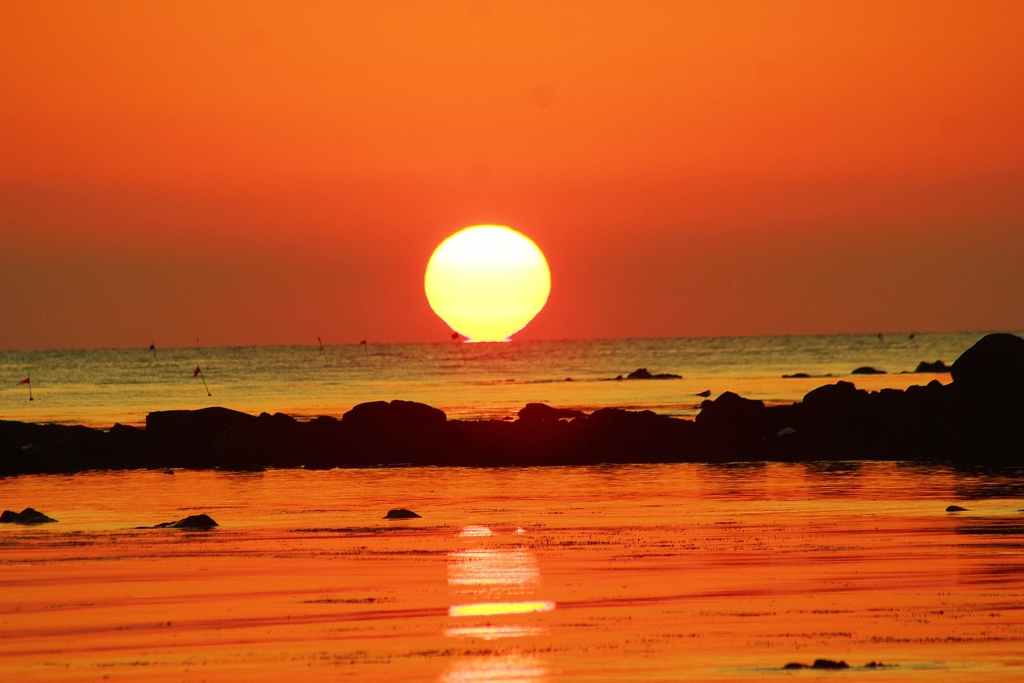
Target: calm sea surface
101,387
533,575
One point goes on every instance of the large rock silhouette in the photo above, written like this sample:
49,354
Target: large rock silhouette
992,371
977,419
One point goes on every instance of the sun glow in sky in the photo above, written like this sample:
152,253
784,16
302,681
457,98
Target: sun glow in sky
267,173
487,282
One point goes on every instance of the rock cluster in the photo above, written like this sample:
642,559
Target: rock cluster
26,516
976,419
194,522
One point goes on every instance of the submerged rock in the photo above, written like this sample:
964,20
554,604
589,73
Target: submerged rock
26,516
818,664
797,375
955,508
867,370
199,522
703,394
541,412
829,664
937,366
401,513
642,373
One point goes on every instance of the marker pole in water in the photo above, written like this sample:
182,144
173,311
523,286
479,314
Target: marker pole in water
366,347
28,381
457,338
319,341
199,373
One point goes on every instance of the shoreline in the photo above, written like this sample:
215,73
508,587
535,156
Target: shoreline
977,419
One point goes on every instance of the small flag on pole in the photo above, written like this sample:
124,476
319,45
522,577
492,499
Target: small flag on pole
456,337
199,373
28,381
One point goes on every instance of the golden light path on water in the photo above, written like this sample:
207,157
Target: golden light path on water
491,573
653,572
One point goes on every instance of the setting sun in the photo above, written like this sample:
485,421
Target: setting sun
487,282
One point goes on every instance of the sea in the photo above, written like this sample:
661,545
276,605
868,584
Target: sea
468,381
664,572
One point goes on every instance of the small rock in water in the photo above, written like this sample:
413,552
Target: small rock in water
867,370
786,431
642,373
703,394
401,513
818,664
797,375
829,664
955,508
26,516
937,366
195,522
878,665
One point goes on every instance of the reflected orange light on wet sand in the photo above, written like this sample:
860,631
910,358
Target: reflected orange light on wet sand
660,572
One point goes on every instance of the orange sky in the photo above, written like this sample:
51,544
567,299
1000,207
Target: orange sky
256,173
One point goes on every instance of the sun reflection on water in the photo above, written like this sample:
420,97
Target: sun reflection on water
488,609
510,668
493,632
493,568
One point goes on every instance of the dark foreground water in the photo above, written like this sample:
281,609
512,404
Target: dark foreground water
655,572
466,380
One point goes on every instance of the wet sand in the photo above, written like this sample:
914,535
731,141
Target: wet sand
666,572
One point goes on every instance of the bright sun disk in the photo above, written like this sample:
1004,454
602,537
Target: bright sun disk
487,282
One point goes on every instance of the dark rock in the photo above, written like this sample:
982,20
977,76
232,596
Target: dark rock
797,375
732,425
936,367
879,665
703,394
838,397
540,412
381,433
867,370
194,522
795,665
187,438
955,508
26,516
401,513
383,414
729,412
992,370
642,373
829,664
